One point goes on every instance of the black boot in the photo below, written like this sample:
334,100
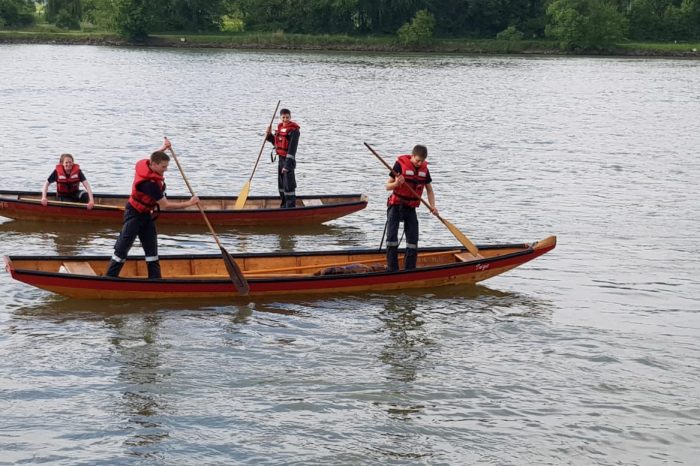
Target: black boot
410,258
114,268
392,258
290,201
153,269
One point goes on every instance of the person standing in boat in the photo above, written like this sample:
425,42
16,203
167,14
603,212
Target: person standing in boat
67,175
411,171
285,140
147,196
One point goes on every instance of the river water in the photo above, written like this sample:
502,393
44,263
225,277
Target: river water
588,355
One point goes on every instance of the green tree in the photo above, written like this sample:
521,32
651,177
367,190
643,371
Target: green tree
585,24
646,19
132,19
419,31
64,13
16,13
683,21
100,13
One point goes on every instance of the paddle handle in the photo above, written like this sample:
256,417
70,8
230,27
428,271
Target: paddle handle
199,206
75,204
393,172
272,120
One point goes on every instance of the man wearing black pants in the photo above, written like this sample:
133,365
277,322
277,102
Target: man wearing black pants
147,194
285,140
412,176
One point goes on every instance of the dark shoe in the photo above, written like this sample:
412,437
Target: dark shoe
392,259
114,268
411,258
153,269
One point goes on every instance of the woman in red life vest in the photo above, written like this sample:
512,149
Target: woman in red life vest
412,170
285,140
68,177
147,195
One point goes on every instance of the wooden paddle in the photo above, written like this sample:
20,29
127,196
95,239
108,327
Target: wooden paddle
461,237
243,196
75,204
234,271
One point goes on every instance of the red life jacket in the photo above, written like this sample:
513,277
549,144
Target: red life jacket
282,137
67,184
415,178
140,201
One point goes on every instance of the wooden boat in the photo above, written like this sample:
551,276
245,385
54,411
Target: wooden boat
258,210
205,276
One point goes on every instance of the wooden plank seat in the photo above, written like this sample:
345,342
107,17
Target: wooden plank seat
78,268
465,256
312,202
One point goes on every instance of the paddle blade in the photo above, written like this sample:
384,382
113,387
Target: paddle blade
243,196
461,237
235,273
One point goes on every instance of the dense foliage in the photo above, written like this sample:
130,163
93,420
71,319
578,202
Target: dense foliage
576,24
16,13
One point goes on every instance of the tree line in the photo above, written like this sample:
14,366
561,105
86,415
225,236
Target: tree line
576,24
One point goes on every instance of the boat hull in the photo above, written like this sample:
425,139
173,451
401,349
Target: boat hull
258,211
434,271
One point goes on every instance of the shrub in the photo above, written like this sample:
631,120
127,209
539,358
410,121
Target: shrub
585,24
509,33
419,31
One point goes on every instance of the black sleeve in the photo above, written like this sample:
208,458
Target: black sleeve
151,189
53,177
81,175
428,179
397,169
290,164
270,138
293,142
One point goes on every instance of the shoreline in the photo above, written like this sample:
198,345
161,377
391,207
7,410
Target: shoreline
294,42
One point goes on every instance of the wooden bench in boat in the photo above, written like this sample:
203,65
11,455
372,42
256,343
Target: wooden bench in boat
312,202
78,268
465,256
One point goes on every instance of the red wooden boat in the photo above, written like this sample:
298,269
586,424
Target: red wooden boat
258,210
205,276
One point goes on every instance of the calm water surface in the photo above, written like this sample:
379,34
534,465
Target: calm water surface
588,355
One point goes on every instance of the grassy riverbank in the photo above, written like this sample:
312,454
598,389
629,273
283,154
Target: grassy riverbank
280,40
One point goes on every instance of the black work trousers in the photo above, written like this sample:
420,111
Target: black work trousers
135,225
395,215
286,182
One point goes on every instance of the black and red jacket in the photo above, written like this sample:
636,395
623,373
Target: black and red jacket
284,139
139,200
416,178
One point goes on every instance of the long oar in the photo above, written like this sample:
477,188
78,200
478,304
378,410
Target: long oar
75,204
461,237
234,271
243,196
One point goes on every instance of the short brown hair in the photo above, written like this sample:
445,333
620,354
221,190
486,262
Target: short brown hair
159,156
64,157
420,150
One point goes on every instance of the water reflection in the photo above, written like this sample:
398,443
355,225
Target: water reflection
136,350
68,239
407,344
58,309
407,341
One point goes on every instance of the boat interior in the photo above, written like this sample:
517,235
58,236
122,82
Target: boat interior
257,266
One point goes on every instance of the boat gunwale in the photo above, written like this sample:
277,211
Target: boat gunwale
527,249
362,198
